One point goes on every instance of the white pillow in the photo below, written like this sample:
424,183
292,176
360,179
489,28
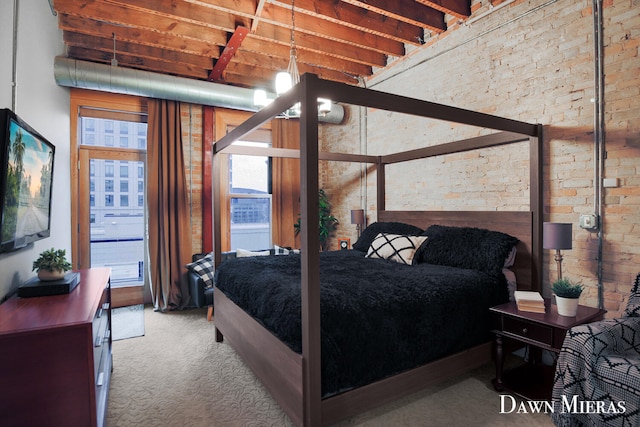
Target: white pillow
241,253
395,247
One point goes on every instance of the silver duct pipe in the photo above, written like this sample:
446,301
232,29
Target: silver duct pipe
88,75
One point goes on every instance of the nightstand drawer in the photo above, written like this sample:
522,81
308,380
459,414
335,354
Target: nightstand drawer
532,331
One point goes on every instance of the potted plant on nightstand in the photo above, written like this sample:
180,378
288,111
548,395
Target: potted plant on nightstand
567,294
327,221
51,264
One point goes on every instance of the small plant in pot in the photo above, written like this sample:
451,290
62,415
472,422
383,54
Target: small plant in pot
567,294
51,264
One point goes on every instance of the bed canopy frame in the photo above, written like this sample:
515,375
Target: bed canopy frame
295,380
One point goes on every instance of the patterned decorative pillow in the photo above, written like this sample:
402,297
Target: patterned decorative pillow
279,250
395,247
204,268
633,305
371,232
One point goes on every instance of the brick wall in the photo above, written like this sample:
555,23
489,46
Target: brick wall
192,150
531,61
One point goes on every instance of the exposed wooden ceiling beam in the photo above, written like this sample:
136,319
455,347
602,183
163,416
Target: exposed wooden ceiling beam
341,40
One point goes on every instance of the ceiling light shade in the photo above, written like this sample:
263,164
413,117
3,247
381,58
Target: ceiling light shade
260,97
283,82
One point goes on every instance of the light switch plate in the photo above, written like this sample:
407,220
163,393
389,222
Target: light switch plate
589,221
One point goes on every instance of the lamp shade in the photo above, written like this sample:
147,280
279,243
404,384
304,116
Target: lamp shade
556,235
357,216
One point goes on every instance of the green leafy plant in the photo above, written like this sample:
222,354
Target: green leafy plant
565,288
52,260
327,222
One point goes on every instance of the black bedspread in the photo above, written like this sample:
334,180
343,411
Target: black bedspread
378,317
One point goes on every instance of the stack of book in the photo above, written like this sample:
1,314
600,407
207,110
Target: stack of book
529,301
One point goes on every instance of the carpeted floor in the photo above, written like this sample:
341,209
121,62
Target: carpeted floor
176,374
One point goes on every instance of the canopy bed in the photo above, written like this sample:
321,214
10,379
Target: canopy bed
292,369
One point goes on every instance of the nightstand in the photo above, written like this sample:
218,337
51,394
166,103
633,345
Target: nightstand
540,331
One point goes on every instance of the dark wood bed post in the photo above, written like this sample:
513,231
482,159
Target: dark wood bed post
535,205
380,183
310,242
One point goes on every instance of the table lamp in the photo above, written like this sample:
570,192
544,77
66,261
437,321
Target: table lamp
357,218
557,235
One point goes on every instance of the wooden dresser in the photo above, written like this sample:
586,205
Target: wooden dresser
55,356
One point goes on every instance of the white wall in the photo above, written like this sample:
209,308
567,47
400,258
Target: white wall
45,106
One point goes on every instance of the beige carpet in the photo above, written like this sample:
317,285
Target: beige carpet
177,375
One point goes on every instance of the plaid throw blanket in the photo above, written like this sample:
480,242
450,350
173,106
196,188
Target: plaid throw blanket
600,363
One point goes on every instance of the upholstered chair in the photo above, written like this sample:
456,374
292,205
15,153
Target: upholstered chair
600,362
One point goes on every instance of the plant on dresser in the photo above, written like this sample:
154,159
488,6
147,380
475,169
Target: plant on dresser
51,264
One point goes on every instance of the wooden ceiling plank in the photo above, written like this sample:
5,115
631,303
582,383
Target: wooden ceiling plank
90,42
229,51
120,16
193,12
405,10
270,32
254,54
333,11
137,35
458,8
314,26
146,64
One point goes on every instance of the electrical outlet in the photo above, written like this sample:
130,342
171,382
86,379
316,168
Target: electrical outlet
589,221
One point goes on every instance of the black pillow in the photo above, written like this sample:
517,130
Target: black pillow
466,247
369,234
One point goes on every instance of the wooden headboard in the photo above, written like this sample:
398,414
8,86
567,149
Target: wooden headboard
517,224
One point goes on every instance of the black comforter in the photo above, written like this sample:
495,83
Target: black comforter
378,317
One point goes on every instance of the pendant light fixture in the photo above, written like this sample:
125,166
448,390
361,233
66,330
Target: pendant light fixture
285,80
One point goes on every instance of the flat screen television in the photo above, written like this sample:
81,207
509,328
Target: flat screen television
26,182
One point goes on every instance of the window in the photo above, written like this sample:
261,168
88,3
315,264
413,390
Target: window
108,140
140,186
124,142
92,184
108,200
140,201
108,185
250,199
124,186
124,170
92,200
124,200
109,168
